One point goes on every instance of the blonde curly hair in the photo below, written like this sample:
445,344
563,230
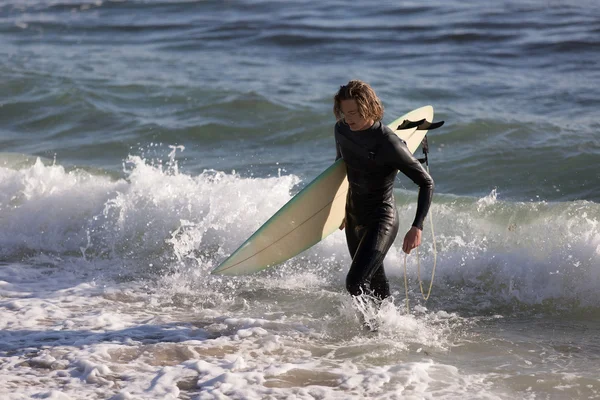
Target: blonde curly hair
369,105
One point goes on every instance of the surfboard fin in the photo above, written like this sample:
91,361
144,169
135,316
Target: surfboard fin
427,126
407,124
421,125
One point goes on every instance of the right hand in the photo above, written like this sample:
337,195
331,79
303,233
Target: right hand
412,239
343,225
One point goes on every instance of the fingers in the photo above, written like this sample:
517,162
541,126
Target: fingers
411,241
407,246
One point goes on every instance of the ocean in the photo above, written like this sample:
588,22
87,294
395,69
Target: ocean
142,141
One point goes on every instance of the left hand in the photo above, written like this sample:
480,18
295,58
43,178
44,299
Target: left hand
412,239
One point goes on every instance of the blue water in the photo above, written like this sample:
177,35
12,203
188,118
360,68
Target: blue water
168,131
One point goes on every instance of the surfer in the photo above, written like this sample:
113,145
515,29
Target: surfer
373,155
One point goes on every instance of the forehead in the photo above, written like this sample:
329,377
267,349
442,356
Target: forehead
348,106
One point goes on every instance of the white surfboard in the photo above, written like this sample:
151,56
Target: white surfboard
313,214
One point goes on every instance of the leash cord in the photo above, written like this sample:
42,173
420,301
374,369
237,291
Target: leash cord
426,297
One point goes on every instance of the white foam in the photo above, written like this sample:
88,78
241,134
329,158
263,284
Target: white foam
111,293
160,218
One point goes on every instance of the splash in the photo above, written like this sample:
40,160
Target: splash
159,221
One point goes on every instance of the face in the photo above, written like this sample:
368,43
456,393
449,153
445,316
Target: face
352,116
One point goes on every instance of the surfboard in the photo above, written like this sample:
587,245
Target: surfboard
311,215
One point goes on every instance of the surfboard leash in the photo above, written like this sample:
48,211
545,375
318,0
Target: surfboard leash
426,297
424,160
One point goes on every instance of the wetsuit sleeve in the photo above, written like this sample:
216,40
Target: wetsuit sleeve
338,153
397,155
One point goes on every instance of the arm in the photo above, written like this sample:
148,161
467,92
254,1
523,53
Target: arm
399,157
338,155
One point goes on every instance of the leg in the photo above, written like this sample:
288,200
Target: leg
368,246
379,284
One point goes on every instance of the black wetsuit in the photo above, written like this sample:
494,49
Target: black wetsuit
371,216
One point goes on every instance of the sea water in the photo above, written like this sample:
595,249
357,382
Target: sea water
143,141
